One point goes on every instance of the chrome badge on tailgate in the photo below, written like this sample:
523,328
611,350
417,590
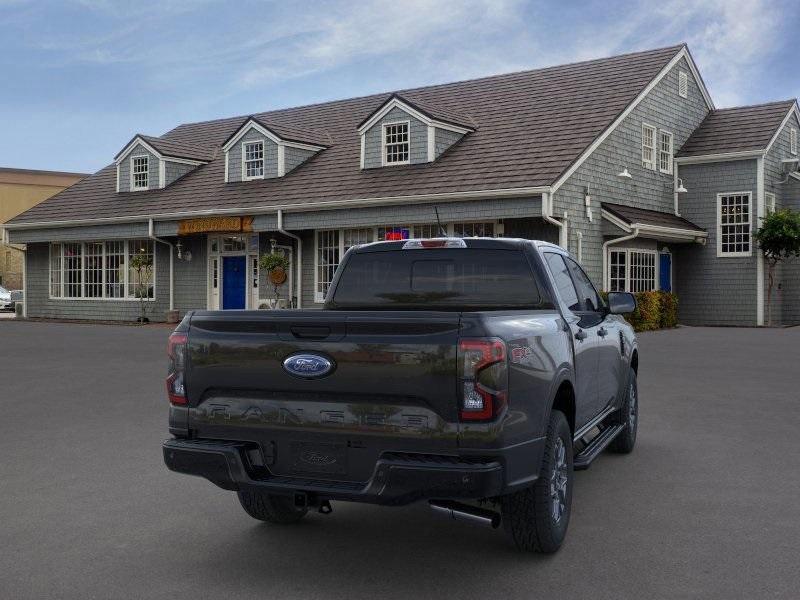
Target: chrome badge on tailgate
307,366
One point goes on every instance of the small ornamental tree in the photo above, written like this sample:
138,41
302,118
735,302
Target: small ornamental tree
779,239
276,266
142,265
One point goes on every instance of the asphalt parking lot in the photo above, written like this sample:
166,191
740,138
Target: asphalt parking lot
708,505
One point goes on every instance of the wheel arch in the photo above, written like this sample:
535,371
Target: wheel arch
564,401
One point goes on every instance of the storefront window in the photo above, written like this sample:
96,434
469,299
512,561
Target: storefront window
97,270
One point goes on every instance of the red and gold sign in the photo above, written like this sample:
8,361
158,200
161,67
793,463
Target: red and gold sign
216,224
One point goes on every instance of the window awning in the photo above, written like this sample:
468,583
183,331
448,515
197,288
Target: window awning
653,224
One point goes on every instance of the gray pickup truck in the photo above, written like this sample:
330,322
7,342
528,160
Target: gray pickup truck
476,374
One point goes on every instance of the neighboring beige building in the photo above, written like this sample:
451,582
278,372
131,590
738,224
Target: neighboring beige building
21,189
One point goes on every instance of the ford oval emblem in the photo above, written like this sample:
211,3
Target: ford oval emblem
307,366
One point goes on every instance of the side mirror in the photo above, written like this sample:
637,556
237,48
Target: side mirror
621,303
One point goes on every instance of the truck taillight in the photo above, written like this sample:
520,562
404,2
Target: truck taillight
176,350
483,378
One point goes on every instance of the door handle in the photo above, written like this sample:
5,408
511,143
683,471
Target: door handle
602,332
581,335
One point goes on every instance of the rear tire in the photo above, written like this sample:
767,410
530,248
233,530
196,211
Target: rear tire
536,518
629,416
271,508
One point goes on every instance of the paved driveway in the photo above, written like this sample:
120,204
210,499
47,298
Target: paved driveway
708,506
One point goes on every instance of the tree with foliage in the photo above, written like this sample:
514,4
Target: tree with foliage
142,265
276,265
779,239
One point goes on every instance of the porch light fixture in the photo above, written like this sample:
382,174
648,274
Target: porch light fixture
625,174
183,255
680,189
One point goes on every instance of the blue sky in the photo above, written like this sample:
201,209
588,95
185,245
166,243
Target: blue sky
79,78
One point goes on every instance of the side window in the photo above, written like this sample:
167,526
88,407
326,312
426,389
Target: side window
564,285
589,298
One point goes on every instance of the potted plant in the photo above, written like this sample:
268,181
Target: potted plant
276,265
142,265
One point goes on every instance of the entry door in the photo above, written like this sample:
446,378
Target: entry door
665,272
234,279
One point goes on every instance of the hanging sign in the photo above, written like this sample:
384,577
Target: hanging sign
215,224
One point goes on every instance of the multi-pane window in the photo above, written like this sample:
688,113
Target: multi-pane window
473,229
115,269
395,143
428,231
793,140
73,270
140,280
769,200
93,270
98,269
648,146
632,271
331,246
683,84
55,270
618,270
328,256
253,160
140,166
665,152
734,224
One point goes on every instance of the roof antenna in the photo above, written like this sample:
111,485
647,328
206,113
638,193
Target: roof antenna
442,230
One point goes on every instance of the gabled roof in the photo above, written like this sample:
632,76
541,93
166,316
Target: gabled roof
430,113
738,129
632,216
286,132
530,127
167,148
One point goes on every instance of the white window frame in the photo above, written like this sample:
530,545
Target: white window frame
628,263
384,148
104,298
769,202
263,160
649,164
683,84
665,155
720,253
793,141
133,159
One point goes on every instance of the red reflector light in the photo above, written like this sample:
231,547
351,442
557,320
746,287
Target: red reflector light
176,351
483,378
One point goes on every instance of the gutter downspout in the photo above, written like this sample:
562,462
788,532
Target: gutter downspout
675,197
152,236
547,211
618,240
281,230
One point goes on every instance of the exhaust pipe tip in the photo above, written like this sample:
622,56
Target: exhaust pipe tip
458,511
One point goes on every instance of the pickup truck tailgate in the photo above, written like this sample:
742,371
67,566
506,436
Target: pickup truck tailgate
392,388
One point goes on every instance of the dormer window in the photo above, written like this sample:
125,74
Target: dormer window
140,170
396,148
253,153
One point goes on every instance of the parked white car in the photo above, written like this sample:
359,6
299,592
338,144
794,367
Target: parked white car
5,299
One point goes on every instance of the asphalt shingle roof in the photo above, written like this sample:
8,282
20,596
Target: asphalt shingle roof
631,215
737,129
530,127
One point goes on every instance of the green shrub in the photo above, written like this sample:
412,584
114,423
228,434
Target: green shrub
669,310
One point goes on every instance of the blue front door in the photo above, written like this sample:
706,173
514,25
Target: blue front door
665,272
233,281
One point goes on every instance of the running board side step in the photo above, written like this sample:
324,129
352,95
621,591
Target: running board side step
583,459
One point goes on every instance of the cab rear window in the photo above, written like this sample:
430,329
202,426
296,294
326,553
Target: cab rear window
443,278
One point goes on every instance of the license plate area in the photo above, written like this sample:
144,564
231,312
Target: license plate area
321,459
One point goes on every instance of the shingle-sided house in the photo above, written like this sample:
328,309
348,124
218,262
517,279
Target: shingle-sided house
623,160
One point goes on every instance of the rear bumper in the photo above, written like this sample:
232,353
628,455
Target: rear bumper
397,478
